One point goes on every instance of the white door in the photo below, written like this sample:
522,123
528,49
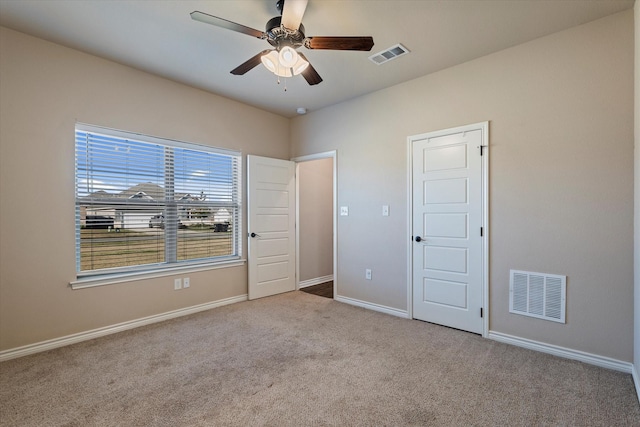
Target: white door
271,224
447,220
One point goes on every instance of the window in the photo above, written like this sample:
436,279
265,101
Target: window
145,203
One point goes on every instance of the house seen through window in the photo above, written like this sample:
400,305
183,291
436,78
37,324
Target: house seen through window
144,203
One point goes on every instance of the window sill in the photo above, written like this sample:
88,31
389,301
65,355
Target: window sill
113,279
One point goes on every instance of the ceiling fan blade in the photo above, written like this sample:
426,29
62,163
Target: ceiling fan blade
229,25
310,74
339,43
250,64
292,13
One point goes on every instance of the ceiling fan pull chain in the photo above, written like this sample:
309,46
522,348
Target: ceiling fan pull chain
284,79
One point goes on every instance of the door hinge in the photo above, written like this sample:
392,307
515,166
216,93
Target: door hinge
481,150
481,313
481,231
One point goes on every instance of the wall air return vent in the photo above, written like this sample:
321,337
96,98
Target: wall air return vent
387,55
538,295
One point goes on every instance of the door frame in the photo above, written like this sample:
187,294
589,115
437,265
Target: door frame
324,155
484,128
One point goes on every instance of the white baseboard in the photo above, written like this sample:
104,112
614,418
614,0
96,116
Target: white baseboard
375,307
108,330
636,380
567,353
316,281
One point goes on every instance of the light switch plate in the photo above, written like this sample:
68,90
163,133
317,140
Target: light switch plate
385,210
344,210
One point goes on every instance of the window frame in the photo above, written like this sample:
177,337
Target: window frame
97,277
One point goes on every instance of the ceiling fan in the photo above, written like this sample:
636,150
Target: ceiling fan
286,34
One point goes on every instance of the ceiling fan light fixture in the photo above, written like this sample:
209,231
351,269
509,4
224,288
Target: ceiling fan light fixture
300,66
270,61
288,57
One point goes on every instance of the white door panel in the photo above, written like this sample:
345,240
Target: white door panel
445,158
272,199
273,223
272,247
271,207
446,225
447,220
445,292
452,190
439,258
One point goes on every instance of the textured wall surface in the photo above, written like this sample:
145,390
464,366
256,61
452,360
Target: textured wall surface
45,89
560,177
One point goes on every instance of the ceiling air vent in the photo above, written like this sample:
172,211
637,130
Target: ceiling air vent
387,55
538,295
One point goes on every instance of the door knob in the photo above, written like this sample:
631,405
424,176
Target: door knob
418,239
254,235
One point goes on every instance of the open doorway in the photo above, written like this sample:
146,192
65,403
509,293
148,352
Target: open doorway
315,210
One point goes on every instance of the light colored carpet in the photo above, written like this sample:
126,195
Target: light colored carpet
299,360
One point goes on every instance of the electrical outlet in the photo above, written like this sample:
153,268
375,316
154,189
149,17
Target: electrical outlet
367,274
177,284
186,282
344,210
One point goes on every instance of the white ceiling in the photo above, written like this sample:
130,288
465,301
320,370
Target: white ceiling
161,38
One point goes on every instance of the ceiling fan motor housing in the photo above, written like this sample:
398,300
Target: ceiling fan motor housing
279,36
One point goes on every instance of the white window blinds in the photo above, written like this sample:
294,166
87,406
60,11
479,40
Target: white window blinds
145,203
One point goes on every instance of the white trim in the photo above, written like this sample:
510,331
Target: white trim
485,226
375,307
316,281
297,182
327,154
108,330
112,279
317,156
410,227
636,380
567,353
484,128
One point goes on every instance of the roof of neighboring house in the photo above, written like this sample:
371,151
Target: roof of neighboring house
149,189
98,194
145,190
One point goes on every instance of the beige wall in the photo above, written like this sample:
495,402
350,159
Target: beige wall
561,177
315,181
44,90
